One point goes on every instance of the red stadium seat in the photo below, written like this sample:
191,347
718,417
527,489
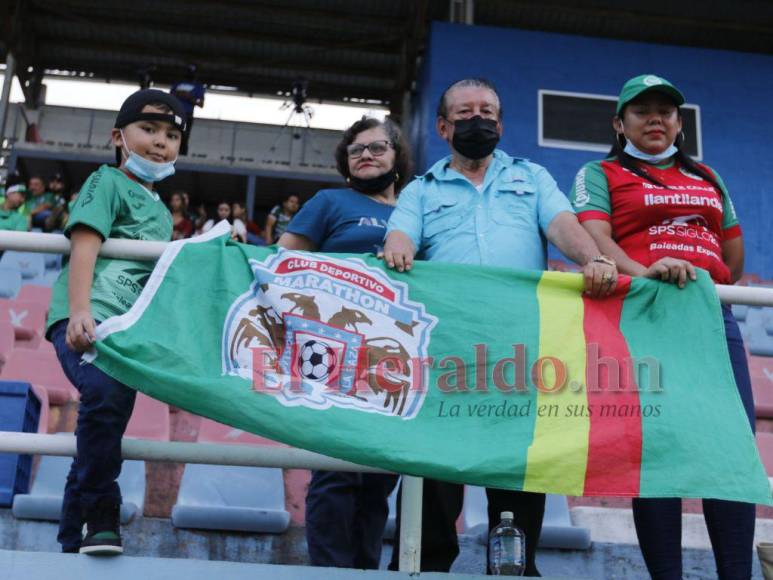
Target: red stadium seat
35,293
7,339
761,371
42,369
150,420
28,320
214,432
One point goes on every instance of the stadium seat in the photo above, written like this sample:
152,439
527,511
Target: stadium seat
7,339
44,501
40,368
247,499
28,319
557,528
150,420
761,371
52,261
30,264
740,311
10,281
760,343
35,293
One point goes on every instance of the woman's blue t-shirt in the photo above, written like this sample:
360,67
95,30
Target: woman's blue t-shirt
342,220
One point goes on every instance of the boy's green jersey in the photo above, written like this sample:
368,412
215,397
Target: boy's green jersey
115,206
12,220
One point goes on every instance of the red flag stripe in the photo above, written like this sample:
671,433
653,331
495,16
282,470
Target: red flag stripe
615,440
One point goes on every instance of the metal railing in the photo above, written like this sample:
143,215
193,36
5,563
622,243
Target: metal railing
250,455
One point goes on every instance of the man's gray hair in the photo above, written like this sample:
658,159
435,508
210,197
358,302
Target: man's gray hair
442,106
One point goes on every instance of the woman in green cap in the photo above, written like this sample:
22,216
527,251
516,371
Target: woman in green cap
659,214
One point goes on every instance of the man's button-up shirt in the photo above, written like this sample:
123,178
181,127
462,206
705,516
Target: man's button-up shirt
502,222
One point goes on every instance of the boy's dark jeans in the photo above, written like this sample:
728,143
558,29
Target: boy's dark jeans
105,408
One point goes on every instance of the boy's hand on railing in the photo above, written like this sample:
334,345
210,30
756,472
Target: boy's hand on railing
81,331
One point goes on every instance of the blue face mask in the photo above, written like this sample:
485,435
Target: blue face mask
145,169
633,151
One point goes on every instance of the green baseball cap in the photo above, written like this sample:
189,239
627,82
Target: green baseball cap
637,85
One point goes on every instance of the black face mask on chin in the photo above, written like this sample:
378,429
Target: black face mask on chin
374,184
476,137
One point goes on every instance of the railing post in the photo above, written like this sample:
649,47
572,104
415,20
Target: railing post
410,524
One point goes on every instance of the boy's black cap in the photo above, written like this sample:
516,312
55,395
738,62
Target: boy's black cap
131,110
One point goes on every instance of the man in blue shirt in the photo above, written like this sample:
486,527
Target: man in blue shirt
190,93
481,206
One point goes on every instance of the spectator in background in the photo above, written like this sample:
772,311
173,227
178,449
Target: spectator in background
199,219
57,188
10,218
238,229
39,202
181,225
279,218
190,92
346,512
252,229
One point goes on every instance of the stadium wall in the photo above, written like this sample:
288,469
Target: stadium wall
734,91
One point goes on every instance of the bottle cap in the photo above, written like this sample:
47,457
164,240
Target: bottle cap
506,515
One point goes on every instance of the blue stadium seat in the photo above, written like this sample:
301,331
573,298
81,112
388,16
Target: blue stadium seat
44,501
557,528
10,281
245,499
760,343
30,264
740,311
53,261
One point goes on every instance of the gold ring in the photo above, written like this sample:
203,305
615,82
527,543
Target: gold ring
606,277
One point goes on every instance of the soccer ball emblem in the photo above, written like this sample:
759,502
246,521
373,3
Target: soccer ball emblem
316,360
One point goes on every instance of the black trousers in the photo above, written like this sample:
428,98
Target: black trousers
441,506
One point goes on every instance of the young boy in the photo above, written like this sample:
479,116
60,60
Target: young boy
114,202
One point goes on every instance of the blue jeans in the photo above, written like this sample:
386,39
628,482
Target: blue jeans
730,523
105,408
345,518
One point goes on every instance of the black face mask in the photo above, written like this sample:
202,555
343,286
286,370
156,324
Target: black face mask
475,138
374,184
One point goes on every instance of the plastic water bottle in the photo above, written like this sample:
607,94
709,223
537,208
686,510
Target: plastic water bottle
507,548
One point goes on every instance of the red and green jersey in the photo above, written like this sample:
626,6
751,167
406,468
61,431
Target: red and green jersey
689,219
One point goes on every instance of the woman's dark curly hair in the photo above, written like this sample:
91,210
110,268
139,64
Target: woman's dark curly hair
403,163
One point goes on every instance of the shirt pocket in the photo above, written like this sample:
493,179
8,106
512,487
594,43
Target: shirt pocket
441,215
515,205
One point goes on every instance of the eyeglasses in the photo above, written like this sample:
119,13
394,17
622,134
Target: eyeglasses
376,148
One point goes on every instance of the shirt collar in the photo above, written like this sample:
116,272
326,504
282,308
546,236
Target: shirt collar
441,170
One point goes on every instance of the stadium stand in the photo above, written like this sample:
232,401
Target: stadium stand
34,293
27,318
10,281
557,528
22,409
30,265
40,368
247,499
150,420
6,342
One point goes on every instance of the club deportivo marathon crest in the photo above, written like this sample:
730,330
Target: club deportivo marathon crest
324,325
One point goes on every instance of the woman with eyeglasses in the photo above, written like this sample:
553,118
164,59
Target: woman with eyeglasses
346,512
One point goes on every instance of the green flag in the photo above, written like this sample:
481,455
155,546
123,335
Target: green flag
481,375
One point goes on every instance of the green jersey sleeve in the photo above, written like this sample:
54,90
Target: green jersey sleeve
590,193
97,205
729,217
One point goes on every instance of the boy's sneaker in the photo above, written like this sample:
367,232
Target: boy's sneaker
102,532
